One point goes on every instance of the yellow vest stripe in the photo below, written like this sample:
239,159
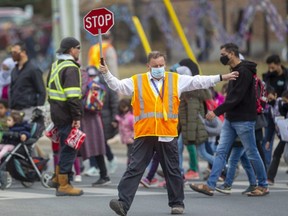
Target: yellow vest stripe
59,93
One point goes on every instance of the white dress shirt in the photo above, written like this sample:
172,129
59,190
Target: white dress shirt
185,83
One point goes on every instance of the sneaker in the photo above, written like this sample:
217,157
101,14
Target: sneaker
117,207
102,181
3,179
270,182
249,189
224,188
78,178
92,172
146,183
177,210
259,191
192,175
162,184
112,165
202,188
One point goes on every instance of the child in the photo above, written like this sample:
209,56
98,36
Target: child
126,124
3,115
20,129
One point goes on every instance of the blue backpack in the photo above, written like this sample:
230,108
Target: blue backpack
94,97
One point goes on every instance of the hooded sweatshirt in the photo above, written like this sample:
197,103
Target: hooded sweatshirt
240,103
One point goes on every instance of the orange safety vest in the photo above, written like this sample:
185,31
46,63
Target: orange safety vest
153,115
94,53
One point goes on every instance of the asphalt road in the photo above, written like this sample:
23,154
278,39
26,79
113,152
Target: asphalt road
37,200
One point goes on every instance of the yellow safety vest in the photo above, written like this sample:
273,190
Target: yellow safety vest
155,115
55,90
94,54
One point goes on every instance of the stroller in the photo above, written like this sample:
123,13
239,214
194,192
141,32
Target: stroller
20,164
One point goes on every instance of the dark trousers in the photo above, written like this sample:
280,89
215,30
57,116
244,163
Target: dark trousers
109,153
273,168
67,154
99,162
154,166
142,153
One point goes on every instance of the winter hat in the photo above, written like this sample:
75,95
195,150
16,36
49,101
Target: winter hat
67,43
92,71
191,65
183,70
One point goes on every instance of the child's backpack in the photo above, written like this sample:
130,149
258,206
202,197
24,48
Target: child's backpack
261,94
94,96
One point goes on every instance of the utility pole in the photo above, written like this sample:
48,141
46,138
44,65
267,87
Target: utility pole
66,20
56,32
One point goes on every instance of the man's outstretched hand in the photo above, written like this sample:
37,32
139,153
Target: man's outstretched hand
231,76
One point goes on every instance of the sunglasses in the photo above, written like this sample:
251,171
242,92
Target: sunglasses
78,47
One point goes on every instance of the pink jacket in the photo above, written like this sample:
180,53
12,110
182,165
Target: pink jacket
126,127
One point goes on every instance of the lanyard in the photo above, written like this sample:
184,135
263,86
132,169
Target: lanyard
161,96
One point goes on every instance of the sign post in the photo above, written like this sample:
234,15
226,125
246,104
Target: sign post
97,22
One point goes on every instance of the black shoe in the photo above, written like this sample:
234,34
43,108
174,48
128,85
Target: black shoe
3,179
102,181
117,207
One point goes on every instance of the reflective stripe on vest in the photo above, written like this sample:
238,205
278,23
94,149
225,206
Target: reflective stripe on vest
59,93
155,115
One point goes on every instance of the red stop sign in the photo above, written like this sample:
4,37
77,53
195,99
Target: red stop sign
100,18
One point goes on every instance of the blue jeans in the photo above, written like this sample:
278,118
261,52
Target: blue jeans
203,153
180,152
67,154
268,152
246,132
238,153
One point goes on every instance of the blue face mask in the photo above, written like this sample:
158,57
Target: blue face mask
158,72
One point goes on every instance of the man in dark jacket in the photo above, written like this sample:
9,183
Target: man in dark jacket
240,118
27,89
277,75
64,96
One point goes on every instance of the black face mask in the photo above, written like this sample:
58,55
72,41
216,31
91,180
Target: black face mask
273,73
272,102
224,60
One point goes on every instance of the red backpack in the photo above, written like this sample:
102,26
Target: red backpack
261,94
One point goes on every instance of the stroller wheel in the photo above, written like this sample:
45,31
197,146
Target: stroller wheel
46,176
27,184
9,180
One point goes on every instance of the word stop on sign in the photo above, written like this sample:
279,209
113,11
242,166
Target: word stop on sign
97,21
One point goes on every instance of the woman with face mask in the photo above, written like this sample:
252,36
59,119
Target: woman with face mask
5,77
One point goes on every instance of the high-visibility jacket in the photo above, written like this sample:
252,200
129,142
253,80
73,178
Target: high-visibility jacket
54,88
94,53
155,116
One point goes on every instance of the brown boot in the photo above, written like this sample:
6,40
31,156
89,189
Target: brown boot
65,188
53,182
